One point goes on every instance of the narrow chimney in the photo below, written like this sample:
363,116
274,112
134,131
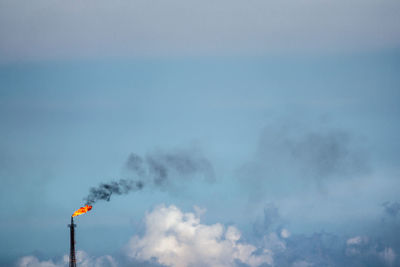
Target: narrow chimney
72,259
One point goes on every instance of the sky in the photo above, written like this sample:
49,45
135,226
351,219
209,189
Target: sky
259,133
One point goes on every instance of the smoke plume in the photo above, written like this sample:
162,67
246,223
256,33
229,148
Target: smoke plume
104,191
155,169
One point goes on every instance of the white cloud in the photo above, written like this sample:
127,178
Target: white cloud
285,233
301,264
361,246
178,239
32,261
82,260
388,255
273,242
354,245
357,240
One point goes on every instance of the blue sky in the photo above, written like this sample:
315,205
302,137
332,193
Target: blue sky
294,105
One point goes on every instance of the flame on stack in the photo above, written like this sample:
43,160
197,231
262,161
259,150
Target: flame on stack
72,257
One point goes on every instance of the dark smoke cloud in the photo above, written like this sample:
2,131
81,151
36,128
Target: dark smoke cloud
136,164
298,153
104,191
319,154
159,167
156,169
326,154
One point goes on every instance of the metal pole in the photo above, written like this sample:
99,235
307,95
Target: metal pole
72,259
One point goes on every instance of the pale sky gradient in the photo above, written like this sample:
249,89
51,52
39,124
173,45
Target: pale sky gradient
48,29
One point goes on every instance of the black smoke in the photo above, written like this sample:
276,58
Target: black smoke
319,154
309,155
105,190
157,169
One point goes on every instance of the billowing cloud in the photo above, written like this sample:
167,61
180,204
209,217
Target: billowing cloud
32,261
82,259
362,249
324,248
178,239
327,249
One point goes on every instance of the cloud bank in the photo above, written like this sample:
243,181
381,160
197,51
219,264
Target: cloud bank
82,260
174,238
178,239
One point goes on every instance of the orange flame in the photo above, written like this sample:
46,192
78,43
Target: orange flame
82,210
